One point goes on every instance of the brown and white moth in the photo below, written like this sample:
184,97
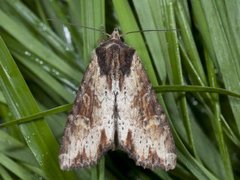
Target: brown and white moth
116,107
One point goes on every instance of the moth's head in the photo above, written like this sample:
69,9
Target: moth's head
115,34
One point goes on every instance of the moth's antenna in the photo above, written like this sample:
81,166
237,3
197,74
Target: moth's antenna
73,24
149,30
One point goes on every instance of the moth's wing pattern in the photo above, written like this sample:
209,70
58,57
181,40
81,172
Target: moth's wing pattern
143,130
89,130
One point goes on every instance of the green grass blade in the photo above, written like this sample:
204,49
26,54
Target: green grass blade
21,102
15,168
88,18
216,121
4,174
175,63
188,40
101,169
37,116
221,44
196,168
193,88
23,35
156,41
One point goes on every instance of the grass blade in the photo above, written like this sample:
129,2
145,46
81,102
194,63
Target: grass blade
37,134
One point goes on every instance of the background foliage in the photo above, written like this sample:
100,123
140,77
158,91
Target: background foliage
44,52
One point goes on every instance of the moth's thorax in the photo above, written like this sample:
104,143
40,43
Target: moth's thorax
114,59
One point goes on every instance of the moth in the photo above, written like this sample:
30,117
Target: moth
116,107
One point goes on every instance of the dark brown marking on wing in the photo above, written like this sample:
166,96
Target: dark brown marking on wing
85,104
102,60
126,56
129,142
103,142
153,157
103,139
80,158
146,99
84,156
